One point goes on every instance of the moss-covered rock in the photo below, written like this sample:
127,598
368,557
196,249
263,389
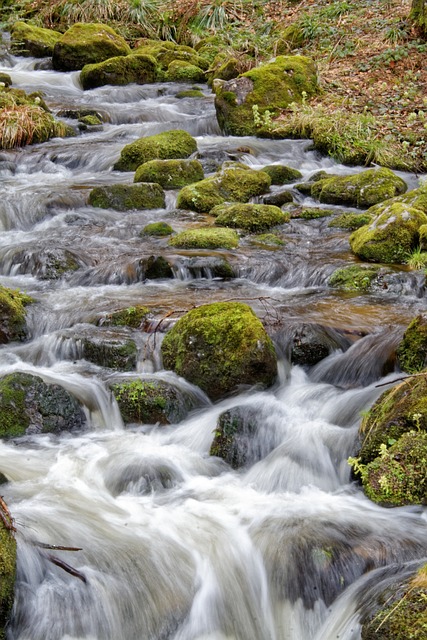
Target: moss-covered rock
281,174
398,475
87,43
312,213
46,264
360,190
7,569
268,240
167,145
157,229
110,350
28,405
205,238
351,221
29,40
400,612
219,347
397,411
231,183
91,120
166,53
12,314
120,70
251,217
190,93
5,79
133,317
391,236
278,198
157,268
124,197
234,437
271,87
181,71
150,401
223,68
353,277
170,174
423,237
412,350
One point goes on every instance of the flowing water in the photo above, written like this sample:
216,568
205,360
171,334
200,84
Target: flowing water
174,544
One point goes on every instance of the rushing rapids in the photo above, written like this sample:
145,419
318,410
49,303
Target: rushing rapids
172,543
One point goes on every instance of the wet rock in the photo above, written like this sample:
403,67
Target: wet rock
312,213
157,230
170,174
109,350
281,174
5,79
412,350
12,314
124,197
219,347
354,277
271,86
205,238
251,217
29,40
306,344
151,401
350,221
278,198
157,268
46,264
167,145
120,70
268,240
208,267
133,317
28,405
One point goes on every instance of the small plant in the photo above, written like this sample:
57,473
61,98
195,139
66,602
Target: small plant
417,259
263,120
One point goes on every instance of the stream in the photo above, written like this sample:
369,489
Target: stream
174,544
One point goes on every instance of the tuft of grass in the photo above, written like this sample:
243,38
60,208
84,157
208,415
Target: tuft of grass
417,259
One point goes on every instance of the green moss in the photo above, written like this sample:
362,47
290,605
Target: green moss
233,429
281,174
90,120
7,573
5,79
268,239
12,314
120,70
157,229
292,37
353,278
29,40
205,238
168,52
423,237
220,346
87,43
133,317
350,221
252,217
360,190
170,174
313,213
167,145
123,197
391,236
190,93
181,71
412,350
120,355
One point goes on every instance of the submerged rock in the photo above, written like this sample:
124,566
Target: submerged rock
133,317
109,350
124,197
28,405
412,350
12,314
87,43
167,145
120,70
306,344
234,440
354,277
251,217
219,347
29,40
170,174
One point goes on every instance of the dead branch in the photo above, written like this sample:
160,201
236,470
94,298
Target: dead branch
66,567
6,516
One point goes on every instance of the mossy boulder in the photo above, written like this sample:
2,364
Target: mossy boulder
219,347
120,70
360,190
91,120
12,314
272,86
29,40
281,174
397,411
157,229
157,268
7,569
205,238
223,68
230,183
166,53
124,197
312,213
181,71
170,174
133,317
251,217
167,145
398,475
354,277
28,405
190,93
391,236
412,350
400,612
110,350
151,401
87,43
350,221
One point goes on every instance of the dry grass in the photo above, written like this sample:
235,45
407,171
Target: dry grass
26,124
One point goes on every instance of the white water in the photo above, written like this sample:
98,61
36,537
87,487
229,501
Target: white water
174,544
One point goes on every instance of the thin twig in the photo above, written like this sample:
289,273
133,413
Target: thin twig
66,567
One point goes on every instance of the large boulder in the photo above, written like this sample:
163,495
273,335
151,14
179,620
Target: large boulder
236,183
269,87
87,44
12,314
360,190
125,197
391,236
170,174
219,347
120,70
175,143
251,217
28,405
29,40
412,350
